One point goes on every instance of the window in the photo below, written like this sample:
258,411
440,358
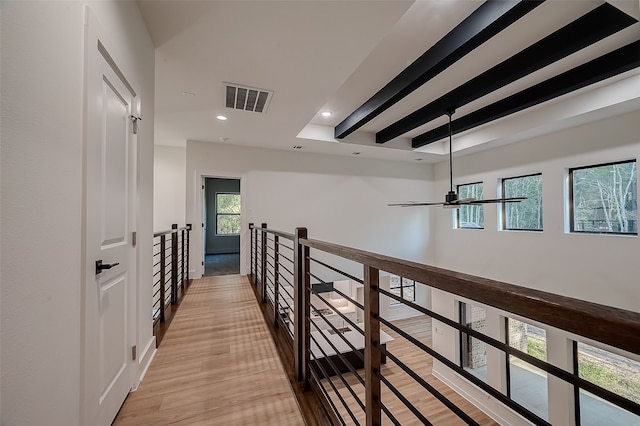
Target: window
613,372
527,385
227,214
525,215
473,352
403,287
604,198
471,216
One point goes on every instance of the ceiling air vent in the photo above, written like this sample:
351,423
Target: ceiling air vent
246,98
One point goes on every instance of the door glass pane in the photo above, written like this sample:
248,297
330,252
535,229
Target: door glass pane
613,372
595,411
528,384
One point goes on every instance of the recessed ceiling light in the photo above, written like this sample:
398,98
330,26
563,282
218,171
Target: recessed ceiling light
297,147
327,113
356,153
189,93
418,159
221,117
224,139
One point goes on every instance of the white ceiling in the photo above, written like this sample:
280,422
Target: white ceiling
334,55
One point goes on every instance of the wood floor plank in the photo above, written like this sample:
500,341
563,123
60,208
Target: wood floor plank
217,365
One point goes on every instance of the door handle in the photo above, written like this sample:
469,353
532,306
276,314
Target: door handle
100,266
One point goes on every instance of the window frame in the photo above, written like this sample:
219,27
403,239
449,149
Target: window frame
402,286
457,211
503,209
218,234
571,206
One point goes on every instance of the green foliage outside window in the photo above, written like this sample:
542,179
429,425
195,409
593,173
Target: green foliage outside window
471,216
605,198
615,373
525,215
227,214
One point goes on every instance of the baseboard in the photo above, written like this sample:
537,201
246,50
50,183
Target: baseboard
485,402
144,361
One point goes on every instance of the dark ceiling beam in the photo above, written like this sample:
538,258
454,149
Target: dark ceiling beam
620,60
593,26
485,22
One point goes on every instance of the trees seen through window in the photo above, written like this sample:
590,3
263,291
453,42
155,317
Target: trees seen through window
525,215
227,214
605,198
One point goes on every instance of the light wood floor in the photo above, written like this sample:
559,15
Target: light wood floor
434,411
217,365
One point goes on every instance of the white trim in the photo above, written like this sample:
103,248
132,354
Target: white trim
144,361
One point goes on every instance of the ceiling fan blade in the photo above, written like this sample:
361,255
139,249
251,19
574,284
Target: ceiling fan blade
451,198
495,201
414,204
463,201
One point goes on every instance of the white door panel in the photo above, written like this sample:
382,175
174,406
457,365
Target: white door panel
113,335
109,294
115,161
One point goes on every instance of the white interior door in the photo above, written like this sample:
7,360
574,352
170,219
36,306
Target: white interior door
109,294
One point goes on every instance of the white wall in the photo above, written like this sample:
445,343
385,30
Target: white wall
339,199
599,268
575,265
42,204
169,187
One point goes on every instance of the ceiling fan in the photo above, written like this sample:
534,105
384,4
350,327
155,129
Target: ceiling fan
451,199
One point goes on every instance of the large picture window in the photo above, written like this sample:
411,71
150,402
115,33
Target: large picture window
227,213
471,216
525,215
604,198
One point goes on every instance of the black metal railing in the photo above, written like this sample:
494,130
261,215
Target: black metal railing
170,271
370,369
272,256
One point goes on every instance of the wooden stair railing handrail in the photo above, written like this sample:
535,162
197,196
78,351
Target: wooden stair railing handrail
170,231
280,234
612,326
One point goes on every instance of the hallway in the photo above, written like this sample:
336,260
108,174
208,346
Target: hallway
217,364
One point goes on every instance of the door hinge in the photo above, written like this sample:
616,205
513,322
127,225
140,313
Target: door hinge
134,238
134,122
134,352
203,263
202,186
203,225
